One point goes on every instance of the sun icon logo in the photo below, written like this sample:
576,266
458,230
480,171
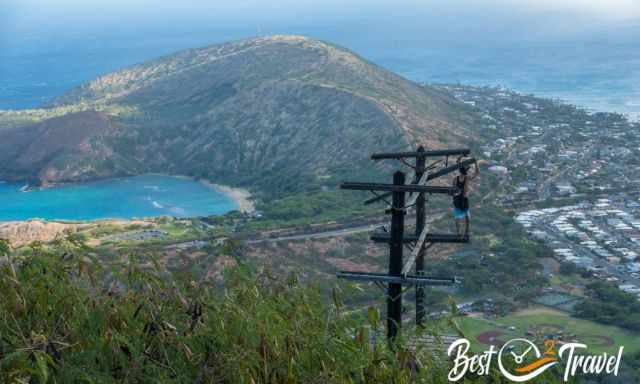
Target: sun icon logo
527,358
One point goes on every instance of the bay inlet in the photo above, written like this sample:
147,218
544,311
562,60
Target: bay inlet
121,198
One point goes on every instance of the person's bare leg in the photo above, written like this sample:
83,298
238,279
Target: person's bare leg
466,226
457,226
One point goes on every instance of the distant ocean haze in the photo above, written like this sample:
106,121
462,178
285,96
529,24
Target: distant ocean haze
122,198
37,67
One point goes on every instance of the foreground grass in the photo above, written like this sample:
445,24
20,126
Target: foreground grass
67,318
64,318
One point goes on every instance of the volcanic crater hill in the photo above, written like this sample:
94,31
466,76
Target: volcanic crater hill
276,113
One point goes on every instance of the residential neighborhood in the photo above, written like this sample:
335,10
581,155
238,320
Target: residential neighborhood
572,177
601,237
544,149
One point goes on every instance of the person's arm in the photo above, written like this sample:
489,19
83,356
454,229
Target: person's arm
476,171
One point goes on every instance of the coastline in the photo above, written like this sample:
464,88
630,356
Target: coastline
240,196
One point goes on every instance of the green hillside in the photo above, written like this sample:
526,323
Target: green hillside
65,317
243,113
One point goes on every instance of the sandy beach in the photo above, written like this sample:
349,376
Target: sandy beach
241,196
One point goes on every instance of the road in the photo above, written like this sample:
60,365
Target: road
335,232
544,190
319,235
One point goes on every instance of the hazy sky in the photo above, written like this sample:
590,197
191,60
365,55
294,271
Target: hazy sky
462,23
537,17
602,8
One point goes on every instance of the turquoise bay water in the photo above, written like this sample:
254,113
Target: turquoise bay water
140,196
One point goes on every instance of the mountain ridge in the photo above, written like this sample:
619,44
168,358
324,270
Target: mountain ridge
243,113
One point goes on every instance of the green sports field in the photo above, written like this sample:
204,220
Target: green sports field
542,321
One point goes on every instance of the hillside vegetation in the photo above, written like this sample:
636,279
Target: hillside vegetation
65,318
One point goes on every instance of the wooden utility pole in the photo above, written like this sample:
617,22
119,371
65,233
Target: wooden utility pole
394,294
398,274
420,222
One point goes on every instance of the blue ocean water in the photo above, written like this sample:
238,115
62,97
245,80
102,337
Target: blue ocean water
140,196
45,52
598,76
38,64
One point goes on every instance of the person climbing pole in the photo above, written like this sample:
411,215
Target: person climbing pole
462,182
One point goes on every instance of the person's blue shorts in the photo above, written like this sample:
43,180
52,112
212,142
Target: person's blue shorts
460,213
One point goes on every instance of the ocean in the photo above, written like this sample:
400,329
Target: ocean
122,198
39,62
36,66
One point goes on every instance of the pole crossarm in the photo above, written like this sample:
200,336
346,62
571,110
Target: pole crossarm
433,153
404,197
359,186
425,178
385,278
451,168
